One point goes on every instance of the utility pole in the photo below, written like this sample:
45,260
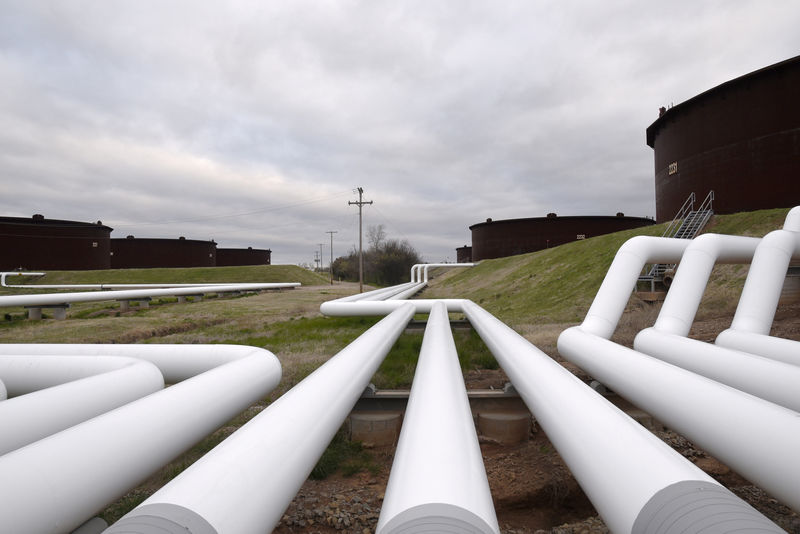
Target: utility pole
331,264
321,263
360,203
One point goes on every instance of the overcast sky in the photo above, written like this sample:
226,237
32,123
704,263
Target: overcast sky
253,122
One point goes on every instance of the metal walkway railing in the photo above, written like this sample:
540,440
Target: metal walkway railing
686,224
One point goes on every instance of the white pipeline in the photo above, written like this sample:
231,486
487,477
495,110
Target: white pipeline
52,393
755,437
50,299
666,340
755,313
620,281
438,482
273,454
384,307
629,475
79,470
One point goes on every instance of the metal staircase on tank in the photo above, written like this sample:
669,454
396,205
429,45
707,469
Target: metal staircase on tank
686,224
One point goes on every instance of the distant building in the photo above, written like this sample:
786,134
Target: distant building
497,239
37,243
740,139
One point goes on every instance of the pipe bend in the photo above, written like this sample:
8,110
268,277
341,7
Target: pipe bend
792,221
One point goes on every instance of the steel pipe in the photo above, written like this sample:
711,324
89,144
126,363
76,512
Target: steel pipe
61,391
755,313
427,266
4,275
373,308
438,482
92,296
620,281
766,378
408,292
684,296
599,442
272,454
79,470
175,362
755,437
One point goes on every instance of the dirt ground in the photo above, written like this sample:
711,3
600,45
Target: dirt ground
533,490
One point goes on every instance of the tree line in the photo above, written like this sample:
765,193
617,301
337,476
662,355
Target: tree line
387,262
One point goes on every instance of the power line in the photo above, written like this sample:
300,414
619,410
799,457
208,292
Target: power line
240,214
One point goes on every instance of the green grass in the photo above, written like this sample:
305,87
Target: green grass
557,285
345,456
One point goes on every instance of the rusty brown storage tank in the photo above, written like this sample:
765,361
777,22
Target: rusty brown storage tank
145,253
39,243
740,139
464,254
227,257
497,239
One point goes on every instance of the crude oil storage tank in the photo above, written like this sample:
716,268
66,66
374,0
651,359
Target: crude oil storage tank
227,257
740,139
464,254
133,253
497,239
37,243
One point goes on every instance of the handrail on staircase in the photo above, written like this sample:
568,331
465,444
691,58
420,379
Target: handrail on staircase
687,207
708,202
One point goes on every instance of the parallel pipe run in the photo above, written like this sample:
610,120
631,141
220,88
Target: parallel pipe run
686,291
755,437
379,308
438,481
626,471
375,294
755,313
92,296
408,292
61,391
768,379
419,271
176,362
272,454
81,469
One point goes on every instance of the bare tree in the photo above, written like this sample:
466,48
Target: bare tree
376,235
